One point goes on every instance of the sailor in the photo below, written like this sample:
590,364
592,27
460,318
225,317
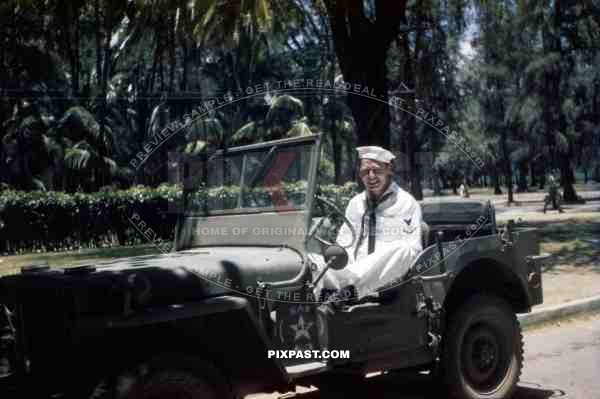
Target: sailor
387,221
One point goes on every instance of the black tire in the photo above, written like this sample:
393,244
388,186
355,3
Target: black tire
174,377
174,384
482,350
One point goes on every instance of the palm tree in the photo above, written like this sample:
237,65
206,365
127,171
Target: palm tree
285,118
87,152
27,152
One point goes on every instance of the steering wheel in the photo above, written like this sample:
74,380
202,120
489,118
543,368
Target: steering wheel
313,231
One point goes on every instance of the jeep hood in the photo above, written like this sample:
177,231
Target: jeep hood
241,266
159,280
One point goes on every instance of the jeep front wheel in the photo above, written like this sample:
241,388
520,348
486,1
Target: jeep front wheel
174,384
482,351
184,379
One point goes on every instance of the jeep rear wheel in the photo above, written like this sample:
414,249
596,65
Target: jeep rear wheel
482,351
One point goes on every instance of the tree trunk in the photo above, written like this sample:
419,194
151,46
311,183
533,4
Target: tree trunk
183,86
337,154
454,186
102,176
172,44
506,164
416,188
337,148
98,30
350,169
496,182
184,42
409,146
161,72
372,117
69,17
522,182
437,190
554,118
509,184
532,171
361,46
107,51
157,50
77,66
568,179
567,175
443,179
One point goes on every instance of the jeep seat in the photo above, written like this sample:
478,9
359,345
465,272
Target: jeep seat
455,217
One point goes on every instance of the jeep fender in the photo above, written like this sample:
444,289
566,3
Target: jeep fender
491,276
222,330
480,265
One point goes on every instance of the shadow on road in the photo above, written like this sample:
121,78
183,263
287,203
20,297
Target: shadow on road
417,386
528,392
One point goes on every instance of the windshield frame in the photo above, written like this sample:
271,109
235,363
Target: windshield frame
276,145
302,216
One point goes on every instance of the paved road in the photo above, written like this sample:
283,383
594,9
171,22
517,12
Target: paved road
565,359
561,361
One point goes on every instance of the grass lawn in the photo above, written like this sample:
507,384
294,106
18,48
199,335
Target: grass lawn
573,271
573,238
13,264
573,243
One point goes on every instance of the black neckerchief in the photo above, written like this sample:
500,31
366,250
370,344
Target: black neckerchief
371,206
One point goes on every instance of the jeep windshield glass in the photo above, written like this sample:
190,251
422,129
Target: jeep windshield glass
260,179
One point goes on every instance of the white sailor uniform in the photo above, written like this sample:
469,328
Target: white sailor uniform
386,244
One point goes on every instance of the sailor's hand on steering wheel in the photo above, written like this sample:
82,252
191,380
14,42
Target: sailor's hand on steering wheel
313,233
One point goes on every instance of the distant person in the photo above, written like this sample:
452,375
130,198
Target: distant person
463,190
553,196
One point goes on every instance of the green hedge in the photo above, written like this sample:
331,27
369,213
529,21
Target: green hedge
55,221
49,221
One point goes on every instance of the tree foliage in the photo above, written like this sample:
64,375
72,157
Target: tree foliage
86,85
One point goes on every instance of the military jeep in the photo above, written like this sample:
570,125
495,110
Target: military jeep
211,318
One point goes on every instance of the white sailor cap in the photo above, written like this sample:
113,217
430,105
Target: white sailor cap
375,153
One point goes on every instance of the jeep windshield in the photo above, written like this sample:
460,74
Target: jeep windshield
266,177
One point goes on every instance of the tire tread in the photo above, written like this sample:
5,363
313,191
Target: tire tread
456,320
